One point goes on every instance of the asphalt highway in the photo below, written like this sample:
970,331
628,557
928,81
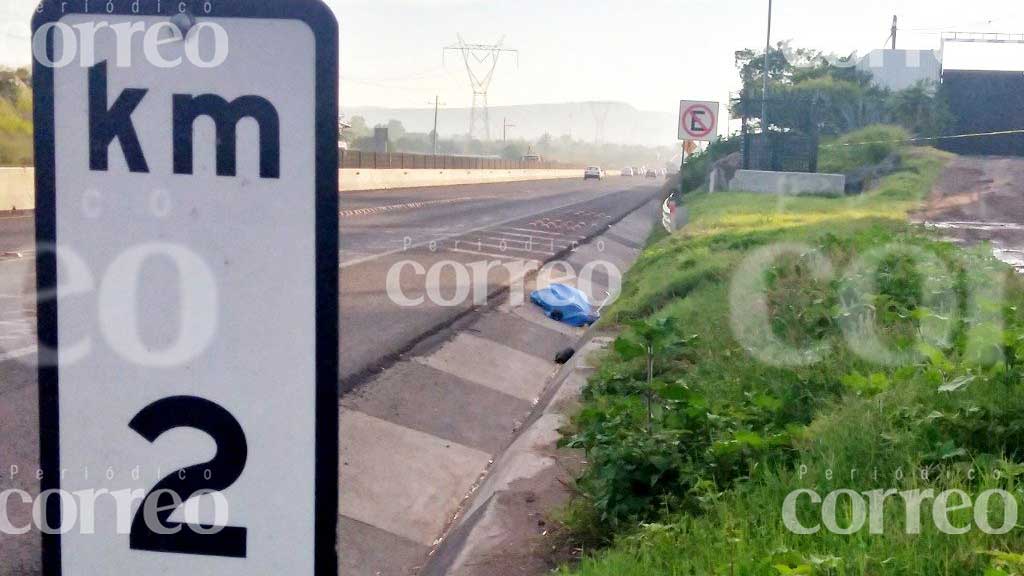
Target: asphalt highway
440,228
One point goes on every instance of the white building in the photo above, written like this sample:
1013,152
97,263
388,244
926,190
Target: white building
901,69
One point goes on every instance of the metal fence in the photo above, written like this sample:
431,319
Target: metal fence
399,160
780,152
792,144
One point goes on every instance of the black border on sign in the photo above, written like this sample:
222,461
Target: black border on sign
324,26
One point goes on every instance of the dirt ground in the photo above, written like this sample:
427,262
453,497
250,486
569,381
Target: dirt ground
980,199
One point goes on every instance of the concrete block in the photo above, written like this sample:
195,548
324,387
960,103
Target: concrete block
532,313
417,396
538,340
401,480
492,365
367,551
787,183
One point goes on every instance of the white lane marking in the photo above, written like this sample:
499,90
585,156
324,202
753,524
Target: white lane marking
482,245
16,323
559,237
26,258
19,353
530,246
363,260
408,206
528,242
537,231
493,255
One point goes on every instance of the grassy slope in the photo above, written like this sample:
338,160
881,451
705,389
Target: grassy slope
16,130
720,492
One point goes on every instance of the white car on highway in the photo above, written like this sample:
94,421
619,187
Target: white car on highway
627,171
592,172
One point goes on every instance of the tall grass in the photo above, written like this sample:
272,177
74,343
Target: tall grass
864,147
734,434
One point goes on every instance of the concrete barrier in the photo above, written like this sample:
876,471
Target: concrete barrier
788,183
17,189
17,184
352,179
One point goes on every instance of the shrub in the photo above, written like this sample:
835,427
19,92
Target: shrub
865,147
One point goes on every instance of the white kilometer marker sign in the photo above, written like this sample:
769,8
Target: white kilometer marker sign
193,347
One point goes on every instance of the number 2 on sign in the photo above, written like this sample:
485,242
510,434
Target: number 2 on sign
216,475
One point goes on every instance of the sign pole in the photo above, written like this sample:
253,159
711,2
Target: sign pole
682,167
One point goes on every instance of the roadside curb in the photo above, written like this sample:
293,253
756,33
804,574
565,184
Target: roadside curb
473,537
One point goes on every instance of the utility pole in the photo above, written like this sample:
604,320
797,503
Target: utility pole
764,89
437,103
504,129
895,29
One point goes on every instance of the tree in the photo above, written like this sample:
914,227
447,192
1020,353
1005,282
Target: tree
358,131
922,109
11,84
513,151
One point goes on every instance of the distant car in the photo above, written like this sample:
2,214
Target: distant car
627,171
651,174
592,172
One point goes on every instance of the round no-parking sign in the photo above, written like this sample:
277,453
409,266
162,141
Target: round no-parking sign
698,120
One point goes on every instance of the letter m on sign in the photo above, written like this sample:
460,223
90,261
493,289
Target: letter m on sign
226,116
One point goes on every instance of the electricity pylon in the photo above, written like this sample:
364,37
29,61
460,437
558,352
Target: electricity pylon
600,112
486,57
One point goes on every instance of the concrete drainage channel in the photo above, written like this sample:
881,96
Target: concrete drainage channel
419,441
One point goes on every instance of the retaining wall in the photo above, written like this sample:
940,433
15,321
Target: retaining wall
17,189
788,183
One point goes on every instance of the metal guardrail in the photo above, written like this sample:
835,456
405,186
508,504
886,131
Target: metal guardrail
404,161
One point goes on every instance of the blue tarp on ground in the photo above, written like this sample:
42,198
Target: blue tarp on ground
565,304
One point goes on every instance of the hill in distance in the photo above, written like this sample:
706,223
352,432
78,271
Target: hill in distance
613,122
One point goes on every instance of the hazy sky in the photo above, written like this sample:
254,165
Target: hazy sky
649,53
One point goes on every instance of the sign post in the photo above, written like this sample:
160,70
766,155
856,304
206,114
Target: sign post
187,230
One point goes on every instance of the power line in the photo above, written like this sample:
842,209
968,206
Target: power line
924,139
